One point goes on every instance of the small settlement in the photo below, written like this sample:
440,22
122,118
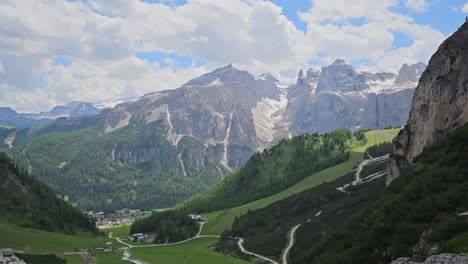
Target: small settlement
7,256
197,217
122,217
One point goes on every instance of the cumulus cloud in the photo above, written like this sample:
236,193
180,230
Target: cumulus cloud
101,41
419,6
125,78
465,8
333,29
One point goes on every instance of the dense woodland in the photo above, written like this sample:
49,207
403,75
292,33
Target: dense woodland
379,149
277,168
426,199
167,227
28,202
133,167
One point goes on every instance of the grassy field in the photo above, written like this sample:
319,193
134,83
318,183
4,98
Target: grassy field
197,252
110,258
118,231
73,259
219,221
40,242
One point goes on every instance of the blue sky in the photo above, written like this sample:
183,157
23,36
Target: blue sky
99,50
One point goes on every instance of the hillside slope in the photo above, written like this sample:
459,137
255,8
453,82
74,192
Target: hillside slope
318,210
28,202
135,166
416,216
276,169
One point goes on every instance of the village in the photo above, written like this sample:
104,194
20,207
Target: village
120,217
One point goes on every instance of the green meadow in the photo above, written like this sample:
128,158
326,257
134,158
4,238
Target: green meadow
194,252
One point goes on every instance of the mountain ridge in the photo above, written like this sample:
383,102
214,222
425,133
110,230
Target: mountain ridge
194,135
73,109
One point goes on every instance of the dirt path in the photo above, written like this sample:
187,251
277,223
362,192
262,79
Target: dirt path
290,245
167,244
240,243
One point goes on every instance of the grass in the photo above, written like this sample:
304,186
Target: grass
73,259
197,252
108,258
36,241
118,231
219,221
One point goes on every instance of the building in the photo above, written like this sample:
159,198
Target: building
139,237
197,217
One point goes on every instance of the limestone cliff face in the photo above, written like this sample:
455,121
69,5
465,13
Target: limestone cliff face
440,102
338,96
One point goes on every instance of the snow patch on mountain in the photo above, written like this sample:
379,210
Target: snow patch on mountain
224,161
113,103
267,115
173,136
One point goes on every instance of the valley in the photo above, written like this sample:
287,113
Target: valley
199,247
233,131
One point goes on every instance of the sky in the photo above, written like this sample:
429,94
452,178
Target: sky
56,51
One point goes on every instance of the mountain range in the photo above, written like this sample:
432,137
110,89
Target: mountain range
166,146
410,210
9,117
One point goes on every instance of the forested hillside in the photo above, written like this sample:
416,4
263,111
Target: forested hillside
318,210
167,227
28,202
277,168
135,166
419,214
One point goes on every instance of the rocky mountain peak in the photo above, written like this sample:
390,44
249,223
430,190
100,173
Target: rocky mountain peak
300,78
339,62
267,77
410,73
339,76
440,102
226,74
312,75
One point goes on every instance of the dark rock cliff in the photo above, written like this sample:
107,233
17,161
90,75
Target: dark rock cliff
440,102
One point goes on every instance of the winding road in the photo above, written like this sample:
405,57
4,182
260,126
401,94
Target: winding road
290,245
368,162
357,176
167,244
240,243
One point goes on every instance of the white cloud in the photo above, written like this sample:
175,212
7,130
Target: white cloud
28,101
419,6
465,8
101,40
103,81
333,30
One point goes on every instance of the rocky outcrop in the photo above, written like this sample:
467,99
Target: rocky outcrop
436,259
341,97
215,109
340,76
410,73
440,102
